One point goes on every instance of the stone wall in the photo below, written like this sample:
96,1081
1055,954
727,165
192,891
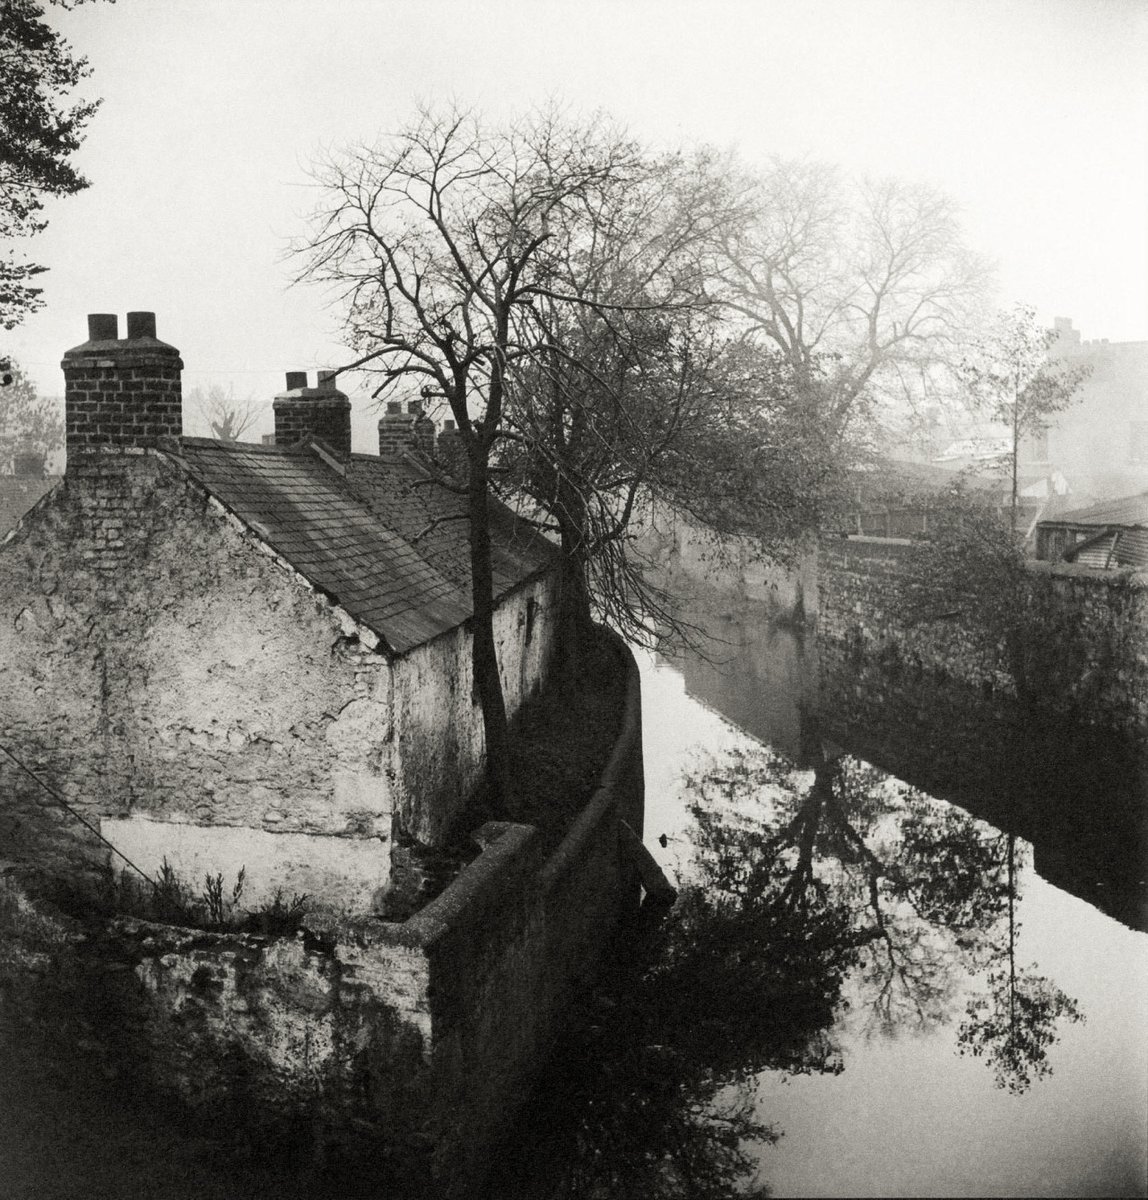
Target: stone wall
194,698
1080,649
681,549
425,1033
157,669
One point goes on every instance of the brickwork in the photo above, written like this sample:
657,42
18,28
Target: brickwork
121,396
397,435
121,391
424,436
449,453
322,412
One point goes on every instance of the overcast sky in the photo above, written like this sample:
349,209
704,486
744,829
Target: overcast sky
1032,114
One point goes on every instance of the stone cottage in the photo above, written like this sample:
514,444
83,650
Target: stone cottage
231,655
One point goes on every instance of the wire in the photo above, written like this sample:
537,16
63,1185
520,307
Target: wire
79,816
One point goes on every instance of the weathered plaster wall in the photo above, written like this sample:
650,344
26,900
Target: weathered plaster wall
168,675
156,665
429,1030
440,750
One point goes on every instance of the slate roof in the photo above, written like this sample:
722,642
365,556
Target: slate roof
1129,511
371,538
18,494
406,497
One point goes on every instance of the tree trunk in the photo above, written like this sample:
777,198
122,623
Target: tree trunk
575,625
1015,458
484,656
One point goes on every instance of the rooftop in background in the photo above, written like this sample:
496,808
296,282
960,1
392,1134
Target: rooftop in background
18,493
1130,512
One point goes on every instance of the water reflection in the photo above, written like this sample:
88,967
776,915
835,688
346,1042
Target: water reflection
918,895
1076,794
818,904
863,961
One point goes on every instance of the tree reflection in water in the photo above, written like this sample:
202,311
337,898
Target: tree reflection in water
930,895
654,1096
803,887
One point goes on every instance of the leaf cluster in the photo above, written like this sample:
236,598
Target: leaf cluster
28,421
39,131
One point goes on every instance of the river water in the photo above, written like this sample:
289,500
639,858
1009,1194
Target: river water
977,1026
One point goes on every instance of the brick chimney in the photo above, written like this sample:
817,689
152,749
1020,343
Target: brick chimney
397,429
121,391
322,412
424,431
449,452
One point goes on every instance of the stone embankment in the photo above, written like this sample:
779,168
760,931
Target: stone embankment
1078,650
421,1034
1081,644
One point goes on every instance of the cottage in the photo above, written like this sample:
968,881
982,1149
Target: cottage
233,655
1108,535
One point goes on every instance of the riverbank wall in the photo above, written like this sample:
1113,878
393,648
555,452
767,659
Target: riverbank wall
676,549
421,1036
1078,649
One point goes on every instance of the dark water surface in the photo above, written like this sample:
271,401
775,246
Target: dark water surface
982,976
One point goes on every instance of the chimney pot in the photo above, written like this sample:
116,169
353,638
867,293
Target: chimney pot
326,379
415,406
141,325
296,379
103,327
120,392
447,426
394,406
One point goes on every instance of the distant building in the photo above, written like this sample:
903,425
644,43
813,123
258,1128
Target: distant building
1100,443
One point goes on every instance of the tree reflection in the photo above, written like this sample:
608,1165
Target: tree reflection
920,895
810,891
1013,1026
654,1097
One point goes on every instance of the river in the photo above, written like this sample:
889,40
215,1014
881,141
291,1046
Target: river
982,1030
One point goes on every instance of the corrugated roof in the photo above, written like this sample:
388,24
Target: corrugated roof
18,494
1129,511
363,537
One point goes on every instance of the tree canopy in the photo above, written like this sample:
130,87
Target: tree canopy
863,289
478,264
39,131
29,422
1011,375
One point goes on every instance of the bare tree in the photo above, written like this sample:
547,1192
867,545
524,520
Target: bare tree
460,252
861,290
228,417
668,412
1011,376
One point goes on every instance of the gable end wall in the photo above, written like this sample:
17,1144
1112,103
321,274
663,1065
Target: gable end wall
167,677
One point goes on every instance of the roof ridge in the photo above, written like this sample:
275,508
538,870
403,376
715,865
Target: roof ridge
238,447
